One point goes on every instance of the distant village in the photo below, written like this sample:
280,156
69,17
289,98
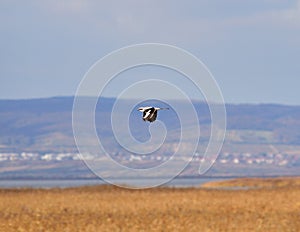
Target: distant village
275,159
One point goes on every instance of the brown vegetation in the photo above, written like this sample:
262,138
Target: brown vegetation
106,208
255,183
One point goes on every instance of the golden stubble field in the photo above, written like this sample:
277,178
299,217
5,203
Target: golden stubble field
274,207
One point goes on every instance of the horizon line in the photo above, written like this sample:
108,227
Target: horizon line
171,99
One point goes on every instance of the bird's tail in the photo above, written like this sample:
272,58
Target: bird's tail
166,108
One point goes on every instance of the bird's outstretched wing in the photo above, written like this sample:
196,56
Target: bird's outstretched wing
157,108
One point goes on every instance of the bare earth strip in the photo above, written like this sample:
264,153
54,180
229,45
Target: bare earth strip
272,207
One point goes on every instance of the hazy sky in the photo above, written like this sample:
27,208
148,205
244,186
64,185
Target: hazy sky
251,47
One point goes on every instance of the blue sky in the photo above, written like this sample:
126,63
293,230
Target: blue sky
252,48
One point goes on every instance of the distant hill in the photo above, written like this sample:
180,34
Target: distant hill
44,125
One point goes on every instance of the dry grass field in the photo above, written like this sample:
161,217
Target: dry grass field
273,207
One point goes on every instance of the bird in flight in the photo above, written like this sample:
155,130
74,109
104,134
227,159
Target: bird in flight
150,112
